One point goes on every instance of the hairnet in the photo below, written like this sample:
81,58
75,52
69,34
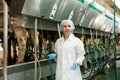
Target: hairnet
71,24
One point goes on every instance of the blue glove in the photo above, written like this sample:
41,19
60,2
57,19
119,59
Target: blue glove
51,56
74,66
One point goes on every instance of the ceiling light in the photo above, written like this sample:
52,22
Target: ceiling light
117,2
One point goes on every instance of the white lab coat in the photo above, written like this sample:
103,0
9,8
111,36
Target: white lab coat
68,51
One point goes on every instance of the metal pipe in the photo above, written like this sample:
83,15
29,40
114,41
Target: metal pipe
35,65
58,27
115,55
5,35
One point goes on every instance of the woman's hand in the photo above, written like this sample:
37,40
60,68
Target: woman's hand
74,66
51,56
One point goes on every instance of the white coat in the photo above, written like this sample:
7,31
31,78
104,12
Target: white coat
68,51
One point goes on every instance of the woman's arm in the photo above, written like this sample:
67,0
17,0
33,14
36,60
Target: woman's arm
80,52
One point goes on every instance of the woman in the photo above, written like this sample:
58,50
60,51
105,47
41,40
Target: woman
69,52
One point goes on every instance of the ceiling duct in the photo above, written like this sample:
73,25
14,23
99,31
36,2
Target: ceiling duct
90,14
86,13
73,10
39,8
65,9
15,6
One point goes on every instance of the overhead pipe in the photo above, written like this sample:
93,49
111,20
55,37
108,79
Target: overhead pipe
5,35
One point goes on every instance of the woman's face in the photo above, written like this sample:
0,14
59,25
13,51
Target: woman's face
66,28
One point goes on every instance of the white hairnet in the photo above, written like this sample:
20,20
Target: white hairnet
71,24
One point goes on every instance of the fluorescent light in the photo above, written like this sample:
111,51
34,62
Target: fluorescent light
119,26
117,2
89,1
1,49
98,6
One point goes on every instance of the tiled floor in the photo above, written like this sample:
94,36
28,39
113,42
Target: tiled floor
108,74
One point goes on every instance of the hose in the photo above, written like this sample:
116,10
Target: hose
39,67
51,69
49,61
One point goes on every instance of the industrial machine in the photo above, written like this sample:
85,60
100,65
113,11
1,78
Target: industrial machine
32,24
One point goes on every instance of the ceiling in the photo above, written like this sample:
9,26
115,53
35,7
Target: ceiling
108,4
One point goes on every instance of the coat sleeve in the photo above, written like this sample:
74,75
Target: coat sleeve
56,47
80,52
56,50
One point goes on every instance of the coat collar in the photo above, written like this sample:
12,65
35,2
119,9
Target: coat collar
70,37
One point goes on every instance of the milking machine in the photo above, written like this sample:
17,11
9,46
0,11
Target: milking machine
97,54
46,15
85,68
106,48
